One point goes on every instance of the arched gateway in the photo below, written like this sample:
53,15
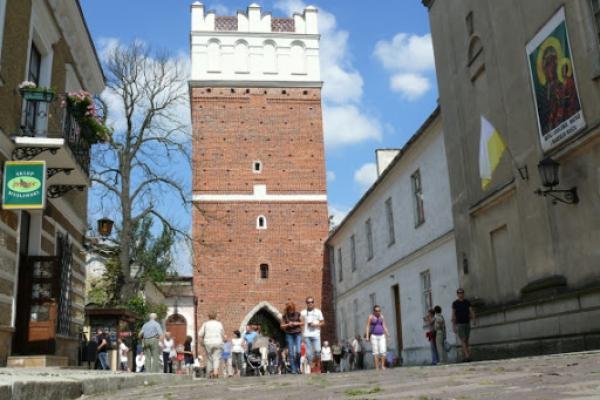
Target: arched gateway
268,318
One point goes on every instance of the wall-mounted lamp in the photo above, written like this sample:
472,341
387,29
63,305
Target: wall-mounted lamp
548,169
105,226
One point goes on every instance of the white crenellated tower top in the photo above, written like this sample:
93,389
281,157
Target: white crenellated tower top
254,48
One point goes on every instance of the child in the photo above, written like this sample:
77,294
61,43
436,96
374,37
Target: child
326,358
123,359
140,360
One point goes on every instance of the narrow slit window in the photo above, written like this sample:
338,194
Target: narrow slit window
257,167
264,271
261,222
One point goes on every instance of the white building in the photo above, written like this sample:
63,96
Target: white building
396,247
181,309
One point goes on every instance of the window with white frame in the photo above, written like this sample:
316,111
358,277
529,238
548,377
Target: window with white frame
596,13
389,214
418,198
340,265
261,222
353,252
257,167
369,234
427,299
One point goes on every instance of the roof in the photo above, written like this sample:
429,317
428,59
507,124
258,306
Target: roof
407,146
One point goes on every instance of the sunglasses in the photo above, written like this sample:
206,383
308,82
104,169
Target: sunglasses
310,302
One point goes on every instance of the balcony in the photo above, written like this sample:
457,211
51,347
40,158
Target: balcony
51,132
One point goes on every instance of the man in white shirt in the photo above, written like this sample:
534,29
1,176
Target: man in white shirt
313,321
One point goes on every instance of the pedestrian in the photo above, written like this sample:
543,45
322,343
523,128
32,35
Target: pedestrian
462,315
237,350
168,347
102,349
188,355
123,356
429,326
212,334
313,321
199,367
226,357
272,356
358,352
150,334
304,364
140,361
376,333
326,358
336,351
347,360
249,337
284,364
439,325
291,323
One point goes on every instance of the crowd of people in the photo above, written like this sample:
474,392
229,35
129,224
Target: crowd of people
253,352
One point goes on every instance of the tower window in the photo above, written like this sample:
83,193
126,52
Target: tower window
264,271
257,167
261,222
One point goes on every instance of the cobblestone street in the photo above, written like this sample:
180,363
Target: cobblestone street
564,376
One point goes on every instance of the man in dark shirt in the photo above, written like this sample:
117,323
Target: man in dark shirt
462,315
102,349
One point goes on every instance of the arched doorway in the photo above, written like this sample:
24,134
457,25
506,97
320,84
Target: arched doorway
177,325
269,325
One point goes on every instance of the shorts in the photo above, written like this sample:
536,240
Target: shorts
378,343
463,331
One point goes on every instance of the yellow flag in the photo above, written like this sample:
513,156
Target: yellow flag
491,148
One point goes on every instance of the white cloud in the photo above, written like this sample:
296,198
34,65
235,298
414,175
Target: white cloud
345,124
366,175
410,85
343,84
330,176
409,58
406,52
337,213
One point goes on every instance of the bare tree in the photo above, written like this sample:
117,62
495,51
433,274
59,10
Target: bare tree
147,102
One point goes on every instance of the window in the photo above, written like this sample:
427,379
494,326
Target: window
389,213
2,14
356,317
257,167
426,291
340,266
353,252
369,231
344,325
596,12
261,222
33,75
264,271
418,198
373,298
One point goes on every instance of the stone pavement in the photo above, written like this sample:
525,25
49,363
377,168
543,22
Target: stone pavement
55,383
563,376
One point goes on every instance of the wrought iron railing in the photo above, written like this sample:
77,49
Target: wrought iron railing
75,137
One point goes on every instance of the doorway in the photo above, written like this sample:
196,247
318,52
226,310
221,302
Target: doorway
177,325
269,325
398,315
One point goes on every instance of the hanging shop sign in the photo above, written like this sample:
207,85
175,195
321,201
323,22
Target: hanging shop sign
24,185
554,85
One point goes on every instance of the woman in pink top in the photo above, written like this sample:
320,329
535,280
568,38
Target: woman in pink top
376,331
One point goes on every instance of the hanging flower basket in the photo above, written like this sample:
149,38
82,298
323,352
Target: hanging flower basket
31,92
81,105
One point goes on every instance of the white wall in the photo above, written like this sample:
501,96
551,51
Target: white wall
246,54
430,246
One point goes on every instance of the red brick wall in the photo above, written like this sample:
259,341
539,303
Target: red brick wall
284,131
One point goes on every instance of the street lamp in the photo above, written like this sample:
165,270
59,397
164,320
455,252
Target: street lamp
105,226
548,169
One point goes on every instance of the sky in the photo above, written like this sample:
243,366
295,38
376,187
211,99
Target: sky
376,63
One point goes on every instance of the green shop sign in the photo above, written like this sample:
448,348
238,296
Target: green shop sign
24,185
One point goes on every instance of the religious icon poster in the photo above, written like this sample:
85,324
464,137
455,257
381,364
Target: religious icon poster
553,81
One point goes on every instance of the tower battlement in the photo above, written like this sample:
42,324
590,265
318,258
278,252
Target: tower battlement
254,47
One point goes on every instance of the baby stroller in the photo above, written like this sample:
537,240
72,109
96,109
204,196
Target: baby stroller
253,362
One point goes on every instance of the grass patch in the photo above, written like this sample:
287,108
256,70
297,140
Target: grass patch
362,392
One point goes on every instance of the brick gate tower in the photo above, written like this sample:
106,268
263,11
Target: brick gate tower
259,189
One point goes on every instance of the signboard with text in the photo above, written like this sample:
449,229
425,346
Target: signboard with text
554,85
24,185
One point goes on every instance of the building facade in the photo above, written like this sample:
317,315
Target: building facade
259,191
181,311
530,266
42,274
396,247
